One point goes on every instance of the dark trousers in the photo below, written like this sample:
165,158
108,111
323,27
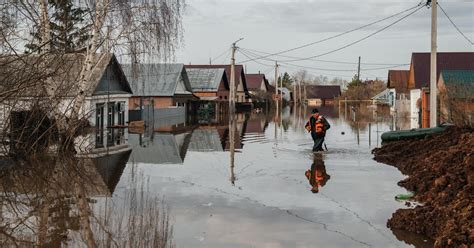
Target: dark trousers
318,141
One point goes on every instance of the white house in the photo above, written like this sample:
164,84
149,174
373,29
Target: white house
105,106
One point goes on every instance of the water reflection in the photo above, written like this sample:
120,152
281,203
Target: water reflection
317,175
46,200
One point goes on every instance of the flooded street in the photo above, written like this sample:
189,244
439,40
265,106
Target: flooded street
193,185
264,198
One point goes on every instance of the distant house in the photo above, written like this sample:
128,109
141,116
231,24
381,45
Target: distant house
257,83
165,85
419,77
456,96
398,80
317,95
105,105
210,85
242,95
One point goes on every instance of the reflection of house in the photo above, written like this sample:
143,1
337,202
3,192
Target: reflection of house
242,97
211,86
456,96
398,80
161,148
206,140
98,176
256,124
317,95
419,77
165,85
105,104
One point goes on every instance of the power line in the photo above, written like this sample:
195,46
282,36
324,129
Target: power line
327,69
320,60
359,40
454,24
220,55
250,59
340,34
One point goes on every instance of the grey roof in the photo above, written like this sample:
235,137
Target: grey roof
156,79
29,73
205,140
205,79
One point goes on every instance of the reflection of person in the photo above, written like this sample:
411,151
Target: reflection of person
317,125
317,176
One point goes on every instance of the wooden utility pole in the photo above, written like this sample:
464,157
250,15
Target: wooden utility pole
433,89
232,80
276,86
232,125
299,92
358,71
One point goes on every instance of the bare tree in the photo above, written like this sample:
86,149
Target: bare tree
134,30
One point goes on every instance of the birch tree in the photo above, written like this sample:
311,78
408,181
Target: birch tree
145,30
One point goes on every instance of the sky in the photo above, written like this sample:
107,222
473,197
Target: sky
211,26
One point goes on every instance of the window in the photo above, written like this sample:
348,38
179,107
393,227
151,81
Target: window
99,125
110,122
121,113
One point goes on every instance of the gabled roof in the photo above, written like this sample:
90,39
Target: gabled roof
420,63
459,83
398,79
239,72
206,79
254,81
322,91
30,72
156,79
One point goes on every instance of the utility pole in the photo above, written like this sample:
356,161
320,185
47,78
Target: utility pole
299,92
433,89
358,71
232,80
276,86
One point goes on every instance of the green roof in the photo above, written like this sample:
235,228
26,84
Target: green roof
459,83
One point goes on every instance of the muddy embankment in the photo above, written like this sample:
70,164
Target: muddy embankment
440,171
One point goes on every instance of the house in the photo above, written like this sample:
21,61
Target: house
317,95
259,88
286,94
456,96
419,77
105,106
398,80
242,95
160,85
210,85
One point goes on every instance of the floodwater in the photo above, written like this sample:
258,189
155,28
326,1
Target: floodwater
226,184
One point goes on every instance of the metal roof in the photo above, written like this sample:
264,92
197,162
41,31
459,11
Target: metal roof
322,91
398,79
28,73
156,79
205,79
459,83
420,63
254,81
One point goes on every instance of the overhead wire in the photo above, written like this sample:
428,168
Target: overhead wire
328,69
220,55
320,60
358,40
341,34
454,25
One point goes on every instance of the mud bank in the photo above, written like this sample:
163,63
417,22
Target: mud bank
441,174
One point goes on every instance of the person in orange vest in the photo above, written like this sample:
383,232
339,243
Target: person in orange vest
317,125
317,176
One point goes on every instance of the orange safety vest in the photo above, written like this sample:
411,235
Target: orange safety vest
318,125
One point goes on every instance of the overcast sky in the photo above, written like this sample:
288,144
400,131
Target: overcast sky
275,25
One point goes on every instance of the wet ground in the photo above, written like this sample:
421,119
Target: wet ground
240,185
265,200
